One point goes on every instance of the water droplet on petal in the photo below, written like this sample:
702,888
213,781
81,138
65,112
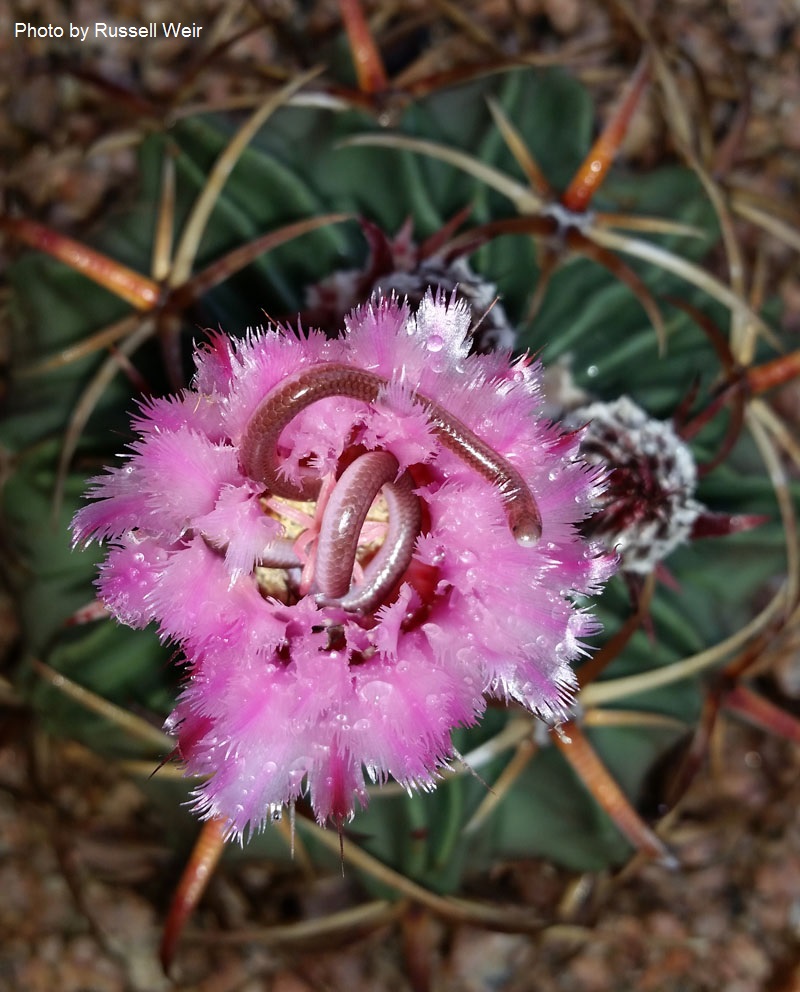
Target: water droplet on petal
435,342
377,692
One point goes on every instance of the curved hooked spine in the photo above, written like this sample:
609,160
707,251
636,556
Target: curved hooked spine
342,521
259,445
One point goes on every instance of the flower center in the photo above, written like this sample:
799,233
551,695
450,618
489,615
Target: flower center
327,550
352,546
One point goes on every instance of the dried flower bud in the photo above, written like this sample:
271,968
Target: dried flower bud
648,507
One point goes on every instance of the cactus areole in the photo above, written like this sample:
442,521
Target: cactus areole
355,542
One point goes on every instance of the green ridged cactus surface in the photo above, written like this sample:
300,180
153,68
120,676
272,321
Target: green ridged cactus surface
313,158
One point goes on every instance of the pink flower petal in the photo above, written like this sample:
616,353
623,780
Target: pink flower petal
286,698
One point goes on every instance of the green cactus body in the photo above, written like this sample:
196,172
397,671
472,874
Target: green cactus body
300,166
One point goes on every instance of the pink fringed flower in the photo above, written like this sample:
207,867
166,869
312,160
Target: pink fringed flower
354,542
